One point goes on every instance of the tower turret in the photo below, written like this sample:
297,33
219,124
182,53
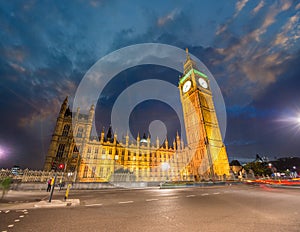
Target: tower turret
90,122
166,143
138,139
63,107
102,135
178,141
127,139
157,142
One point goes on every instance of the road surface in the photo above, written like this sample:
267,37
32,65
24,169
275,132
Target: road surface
223,208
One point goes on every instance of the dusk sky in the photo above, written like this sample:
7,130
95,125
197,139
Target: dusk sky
251,47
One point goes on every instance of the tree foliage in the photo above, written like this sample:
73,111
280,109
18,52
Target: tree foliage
259,168
5,185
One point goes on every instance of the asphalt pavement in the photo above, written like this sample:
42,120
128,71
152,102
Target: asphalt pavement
222,208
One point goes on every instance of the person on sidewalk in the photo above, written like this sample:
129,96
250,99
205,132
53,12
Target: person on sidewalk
49,185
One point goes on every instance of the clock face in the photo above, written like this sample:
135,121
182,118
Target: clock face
203,83
186,87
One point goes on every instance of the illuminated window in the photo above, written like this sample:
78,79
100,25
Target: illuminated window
101,172
85,172
93,172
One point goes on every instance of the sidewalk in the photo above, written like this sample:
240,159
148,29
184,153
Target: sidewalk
34,199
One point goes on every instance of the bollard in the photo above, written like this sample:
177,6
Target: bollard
67,191
53,185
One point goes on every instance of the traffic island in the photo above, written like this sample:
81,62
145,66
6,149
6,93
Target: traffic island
57,203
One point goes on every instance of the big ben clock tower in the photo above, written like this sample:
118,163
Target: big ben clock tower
207,152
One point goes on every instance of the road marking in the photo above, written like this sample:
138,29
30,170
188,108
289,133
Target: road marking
152,199
10,226
175,197
7,211
17,220
125,202
94,205
21,216
190,196
25,212
216,193
204,194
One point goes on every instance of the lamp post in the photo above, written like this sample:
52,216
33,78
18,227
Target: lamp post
295,174
271,167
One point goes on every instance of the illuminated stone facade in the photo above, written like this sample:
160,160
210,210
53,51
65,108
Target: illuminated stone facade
110,158
204,139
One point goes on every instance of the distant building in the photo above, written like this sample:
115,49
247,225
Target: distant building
99,159
16,170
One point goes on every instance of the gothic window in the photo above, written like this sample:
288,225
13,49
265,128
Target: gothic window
66,130
89,150
60,151
96,150
95,156
79,132
86,168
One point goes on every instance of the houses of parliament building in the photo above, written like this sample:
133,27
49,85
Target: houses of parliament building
104,158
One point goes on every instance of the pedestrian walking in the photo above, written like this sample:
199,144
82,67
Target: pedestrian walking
49,185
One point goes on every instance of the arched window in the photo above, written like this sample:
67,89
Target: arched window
79,132
60,151
66,130
93,172
101,172
85,173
